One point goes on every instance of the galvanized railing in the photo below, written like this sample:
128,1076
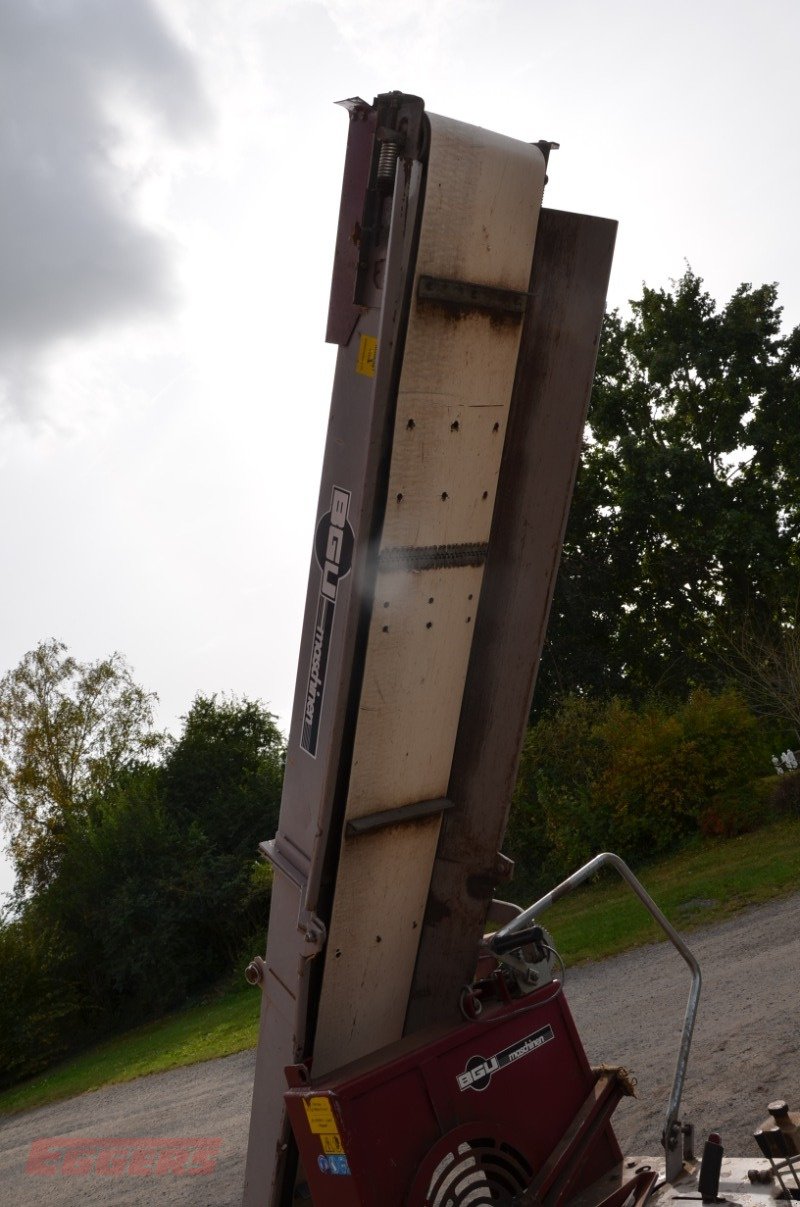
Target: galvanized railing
672,1127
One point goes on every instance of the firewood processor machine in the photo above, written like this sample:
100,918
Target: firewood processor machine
406,1057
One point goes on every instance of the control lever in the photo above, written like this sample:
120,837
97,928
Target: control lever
708,1178
518,938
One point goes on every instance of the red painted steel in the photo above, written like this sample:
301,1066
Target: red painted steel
499,1093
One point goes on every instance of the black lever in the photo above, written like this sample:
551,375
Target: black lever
518,938
710,1167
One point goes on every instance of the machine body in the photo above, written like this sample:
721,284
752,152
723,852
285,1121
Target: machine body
467,321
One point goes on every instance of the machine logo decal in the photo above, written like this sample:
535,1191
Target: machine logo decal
333,546
480,1070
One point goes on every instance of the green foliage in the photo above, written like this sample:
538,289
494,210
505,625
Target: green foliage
39,1004
221,789
225,772
66,730
553,826
686,513
157,881
784,793
765,661
637,781
156,888
675,772
118,894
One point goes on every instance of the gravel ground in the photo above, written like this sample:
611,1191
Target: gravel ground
629,1010
746,1046
211,1099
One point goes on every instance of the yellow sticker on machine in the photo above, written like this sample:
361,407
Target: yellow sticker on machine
332,1144
367,351
320,1116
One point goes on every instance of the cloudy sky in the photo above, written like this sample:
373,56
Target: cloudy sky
169,184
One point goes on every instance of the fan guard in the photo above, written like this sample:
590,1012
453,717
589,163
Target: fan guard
472,1166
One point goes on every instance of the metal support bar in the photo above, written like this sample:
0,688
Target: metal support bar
313,928
555,1179
672,1129
468,295
271,851
433,557
396,817
501,912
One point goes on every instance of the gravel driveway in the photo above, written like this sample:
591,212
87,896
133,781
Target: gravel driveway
746,1046
629,1010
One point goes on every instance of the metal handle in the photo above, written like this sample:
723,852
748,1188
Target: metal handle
672,1128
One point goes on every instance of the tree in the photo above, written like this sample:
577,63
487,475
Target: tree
66,730
40,1004
222,785
225,772
766,664
159,865
687,506
142,879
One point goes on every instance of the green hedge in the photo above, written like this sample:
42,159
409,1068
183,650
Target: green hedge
783,793
638,781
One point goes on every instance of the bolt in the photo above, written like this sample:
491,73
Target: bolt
254,972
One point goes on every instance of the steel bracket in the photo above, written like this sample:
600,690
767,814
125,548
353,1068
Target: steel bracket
314,928
469,295
316,932
417,811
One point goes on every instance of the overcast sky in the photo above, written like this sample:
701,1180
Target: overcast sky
169,185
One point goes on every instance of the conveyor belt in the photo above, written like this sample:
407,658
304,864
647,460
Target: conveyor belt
427,359
482,200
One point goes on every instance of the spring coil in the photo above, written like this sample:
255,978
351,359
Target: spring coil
387,161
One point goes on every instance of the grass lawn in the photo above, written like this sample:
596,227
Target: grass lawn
707,881
703,883
222,1026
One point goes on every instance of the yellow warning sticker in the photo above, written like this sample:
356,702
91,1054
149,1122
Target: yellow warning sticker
332,1144
367,351
320,1116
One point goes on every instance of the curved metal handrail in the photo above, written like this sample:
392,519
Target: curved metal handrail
672,1127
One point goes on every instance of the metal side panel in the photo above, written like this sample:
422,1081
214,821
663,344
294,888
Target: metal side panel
551,394
283,1007
341,578
482,200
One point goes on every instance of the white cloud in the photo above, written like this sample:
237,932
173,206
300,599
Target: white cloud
93,93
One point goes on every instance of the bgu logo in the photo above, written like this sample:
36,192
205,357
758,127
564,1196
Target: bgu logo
480,1070
334,543
333,549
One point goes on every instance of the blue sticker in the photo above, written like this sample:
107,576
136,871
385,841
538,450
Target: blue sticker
335,1165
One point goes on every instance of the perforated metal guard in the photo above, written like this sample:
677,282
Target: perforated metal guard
472,1166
